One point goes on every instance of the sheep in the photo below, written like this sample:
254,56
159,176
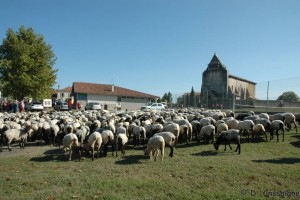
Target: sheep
246,127
17,135
207,132
154,145
278,116
258,129
107,138
290,119
277,125
226,137
221,127
121,141
169,140
264,115
138,133
94,141
232,123
69,141
297,118
173,128
265,122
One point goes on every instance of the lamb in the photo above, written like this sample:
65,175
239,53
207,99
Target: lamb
17,135
277,125
121,141
169,140
258,129
154,145
94,141
207,132
69,141
226,137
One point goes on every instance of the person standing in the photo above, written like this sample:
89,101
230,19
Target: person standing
70,104
78,105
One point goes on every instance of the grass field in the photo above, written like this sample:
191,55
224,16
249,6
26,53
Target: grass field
195,172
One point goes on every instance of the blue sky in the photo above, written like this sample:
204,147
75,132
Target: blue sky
157,46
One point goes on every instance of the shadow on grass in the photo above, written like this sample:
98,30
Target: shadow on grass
131,159
279,161
206,153
296,143
53,155
191,144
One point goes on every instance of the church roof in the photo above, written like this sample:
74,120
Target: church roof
215,61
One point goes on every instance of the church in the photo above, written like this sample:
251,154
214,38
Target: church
220,89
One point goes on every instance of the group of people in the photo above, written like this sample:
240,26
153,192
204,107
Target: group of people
12,106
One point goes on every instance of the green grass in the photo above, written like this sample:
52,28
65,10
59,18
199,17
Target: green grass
195,172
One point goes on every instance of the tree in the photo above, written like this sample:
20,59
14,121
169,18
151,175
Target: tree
288,96
192,97
26,63
167,98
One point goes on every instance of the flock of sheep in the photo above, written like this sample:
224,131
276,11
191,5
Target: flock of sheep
94,132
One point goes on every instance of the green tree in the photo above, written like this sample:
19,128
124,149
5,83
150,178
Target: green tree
170,98
192,97
26,65
288,96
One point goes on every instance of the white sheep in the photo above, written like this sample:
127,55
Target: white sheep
107,138
169,140
94,142
221,127
277,125
289,120
232,123
265,122
173,128
155,145
121,141
69,141
15,135
258,129
264,115
246,127
207,133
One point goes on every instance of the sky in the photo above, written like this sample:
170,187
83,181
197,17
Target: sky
161,46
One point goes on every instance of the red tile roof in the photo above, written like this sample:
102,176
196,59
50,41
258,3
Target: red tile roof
67,89
106,89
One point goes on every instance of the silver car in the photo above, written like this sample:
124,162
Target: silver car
93,106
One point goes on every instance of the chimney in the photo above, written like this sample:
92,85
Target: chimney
113,88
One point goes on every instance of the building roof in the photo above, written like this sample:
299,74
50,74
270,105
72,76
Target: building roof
107,89
67,89
215,61
241,79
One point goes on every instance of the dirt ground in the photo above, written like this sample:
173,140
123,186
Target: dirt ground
31,150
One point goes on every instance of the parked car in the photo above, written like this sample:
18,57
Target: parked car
36,106
93,106
156,106
61,106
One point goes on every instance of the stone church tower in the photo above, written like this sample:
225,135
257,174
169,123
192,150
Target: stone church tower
221,90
